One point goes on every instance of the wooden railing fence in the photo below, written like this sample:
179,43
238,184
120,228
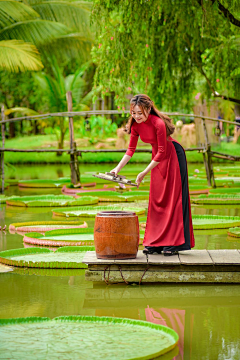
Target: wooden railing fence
205,149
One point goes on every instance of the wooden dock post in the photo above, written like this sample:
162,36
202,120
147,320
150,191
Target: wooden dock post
74,164
2,152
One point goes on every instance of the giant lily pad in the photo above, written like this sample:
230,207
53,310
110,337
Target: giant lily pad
43,226
44,183
219,199
51,200
215,221
84,337
69,257
228,181
224,190
68,237
91,211
121,197
235,232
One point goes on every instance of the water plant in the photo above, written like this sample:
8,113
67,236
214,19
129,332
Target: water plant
43,226
235,232
68,257
91,211
119,197
217,199
85,337
214,222
63,237
225,190
51,200
44,183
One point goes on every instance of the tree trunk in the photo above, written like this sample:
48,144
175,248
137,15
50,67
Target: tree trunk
12,132
61,142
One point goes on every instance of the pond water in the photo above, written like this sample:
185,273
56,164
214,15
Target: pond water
206,317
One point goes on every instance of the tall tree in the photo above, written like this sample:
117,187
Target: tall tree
160,47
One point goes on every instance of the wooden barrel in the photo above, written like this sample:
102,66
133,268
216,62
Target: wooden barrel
116,235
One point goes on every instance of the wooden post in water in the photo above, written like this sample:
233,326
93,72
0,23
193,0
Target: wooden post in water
2,152
74,164
208,162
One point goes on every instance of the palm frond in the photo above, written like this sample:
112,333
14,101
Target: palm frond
51,90
36,31
16,55
22,110
74,15
74,45
13,11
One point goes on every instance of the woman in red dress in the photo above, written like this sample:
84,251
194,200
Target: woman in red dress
169,222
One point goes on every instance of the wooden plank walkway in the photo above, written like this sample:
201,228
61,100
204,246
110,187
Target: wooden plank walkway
197,266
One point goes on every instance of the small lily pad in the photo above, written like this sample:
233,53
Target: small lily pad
235,232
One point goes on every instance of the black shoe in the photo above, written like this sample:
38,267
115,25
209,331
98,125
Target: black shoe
169,253
152,250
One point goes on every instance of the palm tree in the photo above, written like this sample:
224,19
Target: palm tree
55,88
48,26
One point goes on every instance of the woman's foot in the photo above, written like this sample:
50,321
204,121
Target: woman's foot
170,252
152,250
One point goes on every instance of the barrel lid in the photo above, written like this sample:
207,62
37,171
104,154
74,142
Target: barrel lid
116,213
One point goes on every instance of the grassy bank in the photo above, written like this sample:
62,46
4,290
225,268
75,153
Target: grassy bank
49,141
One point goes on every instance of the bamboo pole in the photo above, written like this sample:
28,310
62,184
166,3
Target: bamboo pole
199,149
106,112
74,164
208,161
3,146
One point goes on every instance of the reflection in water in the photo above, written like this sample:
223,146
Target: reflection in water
173,318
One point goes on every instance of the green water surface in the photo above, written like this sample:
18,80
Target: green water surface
206,317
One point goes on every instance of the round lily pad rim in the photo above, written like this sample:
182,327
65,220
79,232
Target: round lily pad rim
50,200
66,212
5,257
80,231
15,226
170,333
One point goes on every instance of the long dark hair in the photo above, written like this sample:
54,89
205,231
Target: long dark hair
145,104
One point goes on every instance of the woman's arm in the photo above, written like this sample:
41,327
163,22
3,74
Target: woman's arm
141,175
162,146
129,153
122,163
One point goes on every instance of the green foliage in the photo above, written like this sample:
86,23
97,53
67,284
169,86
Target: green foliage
100,126
153,47
56,23
16,55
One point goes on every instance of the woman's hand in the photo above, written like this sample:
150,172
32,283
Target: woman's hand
115,171
140,178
